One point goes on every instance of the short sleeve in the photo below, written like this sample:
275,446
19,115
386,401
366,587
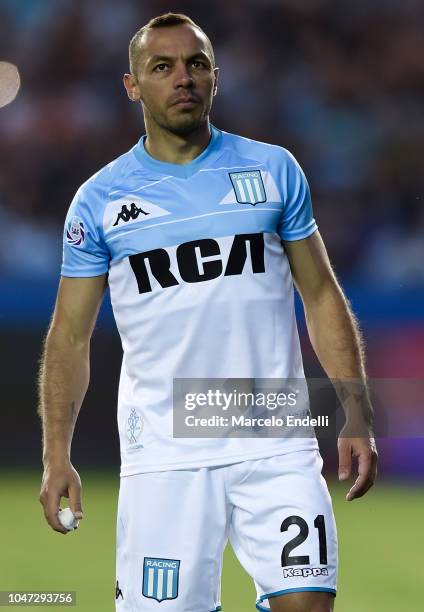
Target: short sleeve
85,252
297,220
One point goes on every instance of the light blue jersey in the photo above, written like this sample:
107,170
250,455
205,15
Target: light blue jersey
200,283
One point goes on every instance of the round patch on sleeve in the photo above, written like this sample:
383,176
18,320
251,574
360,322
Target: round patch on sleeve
75,232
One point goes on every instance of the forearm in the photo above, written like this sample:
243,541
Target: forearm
338,344
63,382
335,335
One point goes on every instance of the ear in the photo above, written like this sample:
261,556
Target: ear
132,87
215,85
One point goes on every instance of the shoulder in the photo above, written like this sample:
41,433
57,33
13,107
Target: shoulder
93,196
105,179
262,151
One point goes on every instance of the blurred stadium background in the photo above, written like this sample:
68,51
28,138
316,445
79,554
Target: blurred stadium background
338,83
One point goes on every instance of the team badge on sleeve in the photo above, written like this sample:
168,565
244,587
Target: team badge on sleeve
249,187
160,578
75,232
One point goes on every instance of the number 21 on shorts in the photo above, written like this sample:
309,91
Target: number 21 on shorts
319,523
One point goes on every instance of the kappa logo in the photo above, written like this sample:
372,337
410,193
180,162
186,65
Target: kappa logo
160,578
304,572
248,187
118,591
127,214
130,210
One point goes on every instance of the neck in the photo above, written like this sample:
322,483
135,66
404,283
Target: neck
174,148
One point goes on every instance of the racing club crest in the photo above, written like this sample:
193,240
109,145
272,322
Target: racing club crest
248,187
75,232
160,578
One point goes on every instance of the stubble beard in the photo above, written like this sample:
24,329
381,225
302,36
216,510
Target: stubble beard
184,123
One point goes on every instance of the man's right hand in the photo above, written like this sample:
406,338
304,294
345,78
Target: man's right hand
60,480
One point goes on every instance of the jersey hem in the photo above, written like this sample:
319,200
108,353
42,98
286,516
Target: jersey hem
294,590
299,234
82,273
213,461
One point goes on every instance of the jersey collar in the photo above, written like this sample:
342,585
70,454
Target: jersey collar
180,170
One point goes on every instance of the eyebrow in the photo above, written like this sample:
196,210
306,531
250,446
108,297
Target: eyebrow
160,58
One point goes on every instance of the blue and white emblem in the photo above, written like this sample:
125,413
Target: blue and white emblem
160,578
248,187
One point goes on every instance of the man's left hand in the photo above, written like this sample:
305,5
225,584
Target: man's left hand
365,450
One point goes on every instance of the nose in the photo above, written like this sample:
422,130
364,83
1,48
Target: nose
183,78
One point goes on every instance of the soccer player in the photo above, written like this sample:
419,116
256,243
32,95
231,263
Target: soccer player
200,234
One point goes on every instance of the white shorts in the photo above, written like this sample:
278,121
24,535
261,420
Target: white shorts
172,529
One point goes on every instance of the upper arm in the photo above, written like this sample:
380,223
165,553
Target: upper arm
310,267
77,306
85,252
297,220
85,265
309,262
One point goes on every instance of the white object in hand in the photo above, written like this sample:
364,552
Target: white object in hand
67,519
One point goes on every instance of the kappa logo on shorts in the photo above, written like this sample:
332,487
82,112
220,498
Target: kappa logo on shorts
160,578
118,591
304,572
248,187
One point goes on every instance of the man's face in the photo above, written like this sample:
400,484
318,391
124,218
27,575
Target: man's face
175,78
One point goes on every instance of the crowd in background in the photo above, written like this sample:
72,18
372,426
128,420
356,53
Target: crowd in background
340,84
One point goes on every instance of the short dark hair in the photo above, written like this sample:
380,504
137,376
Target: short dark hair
162,21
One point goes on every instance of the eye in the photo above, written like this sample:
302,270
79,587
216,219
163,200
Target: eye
198,64
160,67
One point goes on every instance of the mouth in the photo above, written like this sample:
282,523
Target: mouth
186,102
